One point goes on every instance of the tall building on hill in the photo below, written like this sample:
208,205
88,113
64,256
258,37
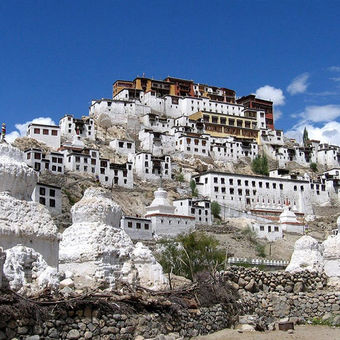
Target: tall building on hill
252,102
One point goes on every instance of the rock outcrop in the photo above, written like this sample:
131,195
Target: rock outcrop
96,246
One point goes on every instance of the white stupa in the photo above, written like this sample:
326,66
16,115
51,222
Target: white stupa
96,246
160,204
23,221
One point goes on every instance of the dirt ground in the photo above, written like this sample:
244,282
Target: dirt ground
303,332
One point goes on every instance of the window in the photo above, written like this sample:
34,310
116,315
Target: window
129,224
260,184
42,191
52,203
231,181
276,228
267,185
146,226
238,182
36,131
77,159
216,189
28,156
138,225
261,228
281,186
54,133
37,155
52,192
45,132
215,180
54,168
42,200
60,160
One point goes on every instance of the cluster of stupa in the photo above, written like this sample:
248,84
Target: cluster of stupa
34,253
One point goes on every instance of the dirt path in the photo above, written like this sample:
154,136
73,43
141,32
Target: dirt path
304,332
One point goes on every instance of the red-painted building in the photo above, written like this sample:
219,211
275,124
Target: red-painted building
259,104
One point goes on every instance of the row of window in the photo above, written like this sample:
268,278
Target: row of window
45,132
247,183
139,225
269,228
43,200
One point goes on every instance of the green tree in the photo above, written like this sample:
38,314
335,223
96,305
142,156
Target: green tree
187,255
260,165
194,191
314,167
305,137
215,209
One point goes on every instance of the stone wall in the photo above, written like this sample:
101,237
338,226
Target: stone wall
88,323
301,306
254,280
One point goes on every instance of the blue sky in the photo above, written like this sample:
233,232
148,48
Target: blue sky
56,56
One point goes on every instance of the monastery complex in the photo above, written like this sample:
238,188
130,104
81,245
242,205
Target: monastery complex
198,140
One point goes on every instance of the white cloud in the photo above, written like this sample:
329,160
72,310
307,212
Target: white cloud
328,133
271,93
335,79
277,114
299,84
322,113
22,128
334,68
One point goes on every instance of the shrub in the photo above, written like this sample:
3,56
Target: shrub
215,209
194,191
190,254
260,165
314,167
180,177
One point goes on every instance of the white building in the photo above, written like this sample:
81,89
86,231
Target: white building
156,142
157,122
40,161
198,208
48,134
328,155
83,160
83,127
49,196
232,149
111,174
270,231
244,192
165,222
118,110
123,147
193,144
88,161
137,228
150,167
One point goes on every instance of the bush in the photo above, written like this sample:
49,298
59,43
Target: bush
188,255
260,250
314,167
215,209
180,177
194,191
260,165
